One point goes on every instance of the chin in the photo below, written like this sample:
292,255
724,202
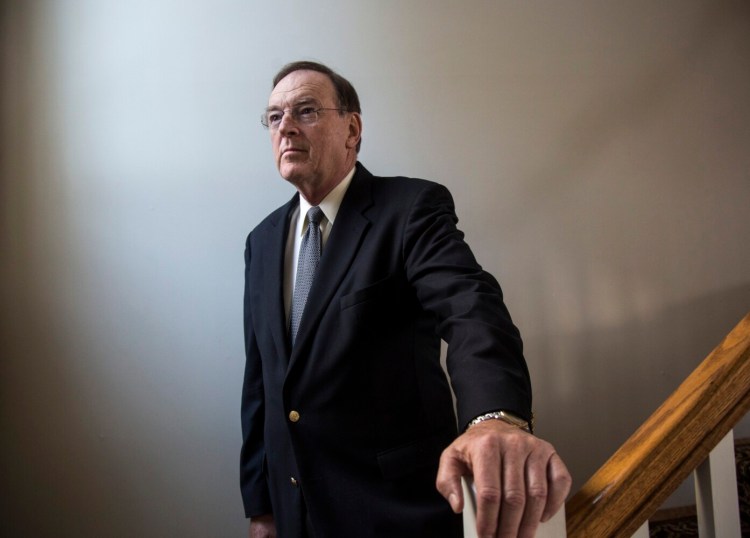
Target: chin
291,175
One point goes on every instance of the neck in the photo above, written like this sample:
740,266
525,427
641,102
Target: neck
315,197
315,194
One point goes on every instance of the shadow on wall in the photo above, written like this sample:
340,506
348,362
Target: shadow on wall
52,460
642,361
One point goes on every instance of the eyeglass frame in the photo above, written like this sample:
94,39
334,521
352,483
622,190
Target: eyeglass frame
295,115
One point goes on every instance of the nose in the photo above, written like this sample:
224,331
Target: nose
288,126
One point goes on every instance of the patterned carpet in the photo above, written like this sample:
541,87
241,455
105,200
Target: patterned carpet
682,522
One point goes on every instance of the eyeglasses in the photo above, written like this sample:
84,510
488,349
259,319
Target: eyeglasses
305,114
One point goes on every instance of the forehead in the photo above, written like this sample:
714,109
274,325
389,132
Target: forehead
304,84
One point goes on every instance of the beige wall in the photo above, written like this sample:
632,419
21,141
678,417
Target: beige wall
598,154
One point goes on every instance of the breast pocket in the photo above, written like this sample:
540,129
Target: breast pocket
368,305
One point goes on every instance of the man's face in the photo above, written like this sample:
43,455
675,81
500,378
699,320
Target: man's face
313,157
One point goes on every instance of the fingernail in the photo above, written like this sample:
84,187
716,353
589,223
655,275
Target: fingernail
453,500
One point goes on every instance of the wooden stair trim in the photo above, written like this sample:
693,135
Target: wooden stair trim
661,454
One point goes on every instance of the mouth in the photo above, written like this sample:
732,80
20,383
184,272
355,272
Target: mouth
292,150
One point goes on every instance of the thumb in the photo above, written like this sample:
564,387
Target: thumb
448,481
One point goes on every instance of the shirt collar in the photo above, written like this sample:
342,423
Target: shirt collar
329,205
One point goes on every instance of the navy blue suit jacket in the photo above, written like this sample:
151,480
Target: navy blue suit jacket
374,405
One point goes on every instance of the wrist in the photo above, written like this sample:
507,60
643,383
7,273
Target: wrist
508,418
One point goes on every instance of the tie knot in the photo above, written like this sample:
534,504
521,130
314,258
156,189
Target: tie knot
314,215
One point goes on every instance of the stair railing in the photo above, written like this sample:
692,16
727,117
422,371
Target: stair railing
620,497
690,432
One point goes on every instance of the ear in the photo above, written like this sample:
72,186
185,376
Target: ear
355,130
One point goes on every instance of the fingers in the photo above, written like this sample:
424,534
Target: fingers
559,481
514,502
448,482
262,527
518,478
533,490
489,486
536,494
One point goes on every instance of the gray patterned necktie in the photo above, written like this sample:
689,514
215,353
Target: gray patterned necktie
307,265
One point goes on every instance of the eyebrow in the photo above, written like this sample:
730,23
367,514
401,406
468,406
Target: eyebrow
300,102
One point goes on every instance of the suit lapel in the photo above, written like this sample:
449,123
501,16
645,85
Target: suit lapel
274,277
342,246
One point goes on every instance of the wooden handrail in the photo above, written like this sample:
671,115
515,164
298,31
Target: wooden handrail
660,455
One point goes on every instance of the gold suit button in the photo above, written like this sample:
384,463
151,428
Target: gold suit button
293,416
293,481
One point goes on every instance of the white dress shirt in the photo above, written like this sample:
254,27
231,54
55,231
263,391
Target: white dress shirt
297,228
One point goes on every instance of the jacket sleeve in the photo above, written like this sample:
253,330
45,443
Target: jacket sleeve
485,357
253,484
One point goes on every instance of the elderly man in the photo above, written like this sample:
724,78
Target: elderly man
348,423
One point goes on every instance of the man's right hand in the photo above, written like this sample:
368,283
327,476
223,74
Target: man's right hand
262,526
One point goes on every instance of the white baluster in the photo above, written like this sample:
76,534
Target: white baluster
716,493
642,531
470,509
555,527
